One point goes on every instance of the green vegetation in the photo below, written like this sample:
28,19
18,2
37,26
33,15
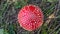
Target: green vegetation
10,27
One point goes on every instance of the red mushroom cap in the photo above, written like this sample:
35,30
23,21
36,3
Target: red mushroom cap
30,17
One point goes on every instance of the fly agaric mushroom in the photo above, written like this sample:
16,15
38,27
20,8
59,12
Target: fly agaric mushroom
30,17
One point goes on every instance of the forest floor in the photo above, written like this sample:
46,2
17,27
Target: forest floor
10,8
